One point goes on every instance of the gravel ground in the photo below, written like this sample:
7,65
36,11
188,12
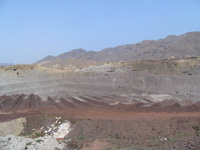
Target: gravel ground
11,142
189,144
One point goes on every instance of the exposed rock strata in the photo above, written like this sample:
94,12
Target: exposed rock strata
178,78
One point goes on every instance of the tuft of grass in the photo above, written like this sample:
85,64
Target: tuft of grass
81,130
30,133
116,135
81,138
153,138
184,135
174,140
196,128
38,141
39,134
66,138
29,143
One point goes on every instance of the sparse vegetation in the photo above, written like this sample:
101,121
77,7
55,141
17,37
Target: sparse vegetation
66,138
81,138
38,141
29,143
30,133
44,117
39,134
196,128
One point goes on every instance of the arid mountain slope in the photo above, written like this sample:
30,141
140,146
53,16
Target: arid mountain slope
177,46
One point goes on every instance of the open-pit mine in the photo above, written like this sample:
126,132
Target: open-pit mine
143,104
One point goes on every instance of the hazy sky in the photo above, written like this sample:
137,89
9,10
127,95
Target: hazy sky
31,30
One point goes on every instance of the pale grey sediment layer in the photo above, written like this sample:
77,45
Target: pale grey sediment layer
107,81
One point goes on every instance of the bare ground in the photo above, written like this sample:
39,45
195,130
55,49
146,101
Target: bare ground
98,125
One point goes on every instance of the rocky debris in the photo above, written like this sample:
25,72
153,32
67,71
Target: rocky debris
59,129
164,139
14,127
189,144
49,130
46,138
11,142
63,130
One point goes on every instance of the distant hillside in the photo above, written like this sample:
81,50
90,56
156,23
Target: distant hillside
6,64
177,46
74,54
47,58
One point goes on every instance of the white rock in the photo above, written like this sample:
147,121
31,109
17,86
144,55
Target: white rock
63,130
11,142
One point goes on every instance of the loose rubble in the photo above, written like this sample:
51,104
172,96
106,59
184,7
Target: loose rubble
11,142
191,143
58,130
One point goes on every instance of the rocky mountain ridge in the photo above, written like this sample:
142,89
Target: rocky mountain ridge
172,46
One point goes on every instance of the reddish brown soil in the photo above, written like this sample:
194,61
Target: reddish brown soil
32,102
191,143
98,125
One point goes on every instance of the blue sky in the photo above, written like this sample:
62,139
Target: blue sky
31,30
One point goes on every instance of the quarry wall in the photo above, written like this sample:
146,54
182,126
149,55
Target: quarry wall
132,80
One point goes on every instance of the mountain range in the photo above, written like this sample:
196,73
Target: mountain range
6,64
185,45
